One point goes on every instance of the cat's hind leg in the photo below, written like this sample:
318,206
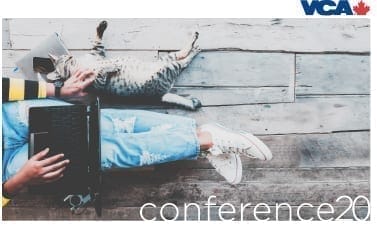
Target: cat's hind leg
183,53
188,59
98,48
191,104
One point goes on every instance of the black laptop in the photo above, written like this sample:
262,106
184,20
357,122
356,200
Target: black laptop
72,130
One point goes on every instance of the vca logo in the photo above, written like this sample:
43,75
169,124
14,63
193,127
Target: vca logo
329,7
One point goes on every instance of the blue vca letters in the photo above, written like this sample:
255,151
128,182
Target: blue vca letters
327,7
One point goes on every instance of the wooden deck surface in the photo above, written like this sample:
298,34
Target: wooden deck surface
301,85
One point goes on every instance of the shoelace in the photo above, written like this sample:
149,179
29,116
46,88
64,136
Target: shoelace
230,146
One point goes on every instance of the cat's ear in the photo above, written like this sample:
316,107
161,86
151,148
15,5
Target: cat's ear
53,57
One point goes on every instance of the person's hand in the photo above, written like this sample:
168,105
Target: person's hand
75,85
36,170
40,170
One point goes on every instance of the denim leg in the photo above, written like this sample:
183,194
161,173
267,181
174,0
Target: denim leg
16,120
13,160
126,150
112,120
154,138
160,137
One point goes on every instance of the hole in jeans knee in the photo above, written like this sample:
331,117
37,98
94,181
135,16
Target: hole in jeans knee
124,125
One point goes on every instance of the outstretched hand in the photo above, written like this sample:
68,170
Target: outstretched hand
75,85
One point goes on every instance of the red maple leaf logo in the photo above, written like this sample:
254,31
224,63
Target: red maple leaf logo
361,8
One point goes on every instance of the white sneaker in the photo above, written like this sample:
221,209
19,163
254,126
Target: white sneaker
228,141
261,150
227,165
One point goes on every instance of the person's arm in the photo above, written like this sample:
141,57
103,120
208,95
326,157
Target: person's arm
37,170
5,201
20,89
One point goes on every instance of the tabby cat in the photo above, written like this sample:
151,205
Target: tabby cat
130,77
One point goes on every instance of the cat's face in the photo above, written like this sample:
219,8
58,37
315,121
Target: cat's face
65,65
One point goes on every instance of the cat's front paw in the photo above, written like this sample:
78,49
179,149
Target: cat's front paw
196,103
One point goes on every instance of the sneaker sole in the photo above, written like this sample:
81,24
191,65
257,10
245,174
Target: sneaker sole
238,177
239,170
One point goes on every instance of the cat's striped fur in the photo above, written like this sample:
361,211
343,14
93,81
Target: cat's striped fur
130,77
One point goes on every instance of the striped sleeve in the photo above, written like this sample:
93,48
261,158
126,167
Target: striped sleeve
5,201
20,89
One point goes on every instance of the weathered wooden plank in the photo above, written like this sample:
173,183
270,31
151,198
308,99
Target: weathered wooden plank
247,192
5,33
319,150
305,174
11,56
213,68
332,74
208,96
166,174
133,213
121,192
234,96
12,73
313,114
235,68
252,69
28,30
305,151
306,115
316,183
299,35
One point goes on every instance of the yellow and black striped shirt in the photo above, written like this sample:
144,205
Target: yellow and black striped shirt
20,89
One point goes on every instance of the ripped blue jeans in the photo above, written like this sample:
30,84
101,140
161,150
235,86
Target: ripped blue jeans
129,138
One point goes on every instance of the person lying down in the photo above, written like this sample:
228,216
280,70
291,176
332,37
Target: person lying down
129,138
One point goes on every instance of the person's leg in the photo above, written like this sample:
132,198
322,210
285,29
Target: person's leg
117,121
162,139
16,115
13,160
136,121
127,150
147,148
15,119
132,138
124,150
